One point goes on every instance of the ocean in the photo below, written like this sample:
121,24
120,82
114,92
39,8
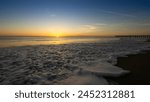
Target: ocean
70,60
26,41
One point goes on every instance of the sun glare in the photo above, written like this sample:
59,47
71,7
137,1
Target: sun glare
58,31
57,34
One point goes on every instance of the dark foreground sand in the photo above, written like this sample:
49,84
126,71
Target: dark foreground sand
139,65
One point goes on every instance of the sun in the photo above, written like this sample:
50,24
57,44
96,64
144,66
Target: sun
58,31
55,34
58,34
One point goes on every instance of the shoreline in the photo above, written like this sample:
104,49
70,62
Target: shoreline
51,64
139,67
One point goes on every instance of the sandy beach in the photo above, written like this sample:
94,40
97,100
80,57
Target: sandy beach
139,66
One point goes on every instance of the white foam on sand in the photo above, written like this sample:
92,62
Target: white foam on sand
94,74
105,69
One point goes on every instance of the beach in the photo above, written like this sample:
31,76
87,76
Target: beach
139,66
100,62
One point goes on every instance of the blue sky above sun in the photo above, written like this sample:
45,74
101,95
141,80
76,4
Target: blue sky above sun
74,17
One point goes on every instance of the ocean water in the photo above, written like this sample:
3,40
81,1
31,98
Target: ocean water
25,41
77,60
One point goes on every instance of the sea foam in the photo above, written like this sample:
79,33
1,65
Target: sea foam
74,63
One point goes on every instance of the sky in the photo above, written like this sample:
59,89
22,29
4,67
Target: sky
74,17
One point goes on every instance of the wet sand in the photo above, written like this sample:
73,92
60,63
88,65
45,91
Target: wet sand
139,65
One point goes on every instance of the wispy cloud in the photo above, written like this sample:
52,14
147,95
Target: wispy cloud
117,13
100,24
52,15
145,24
90,27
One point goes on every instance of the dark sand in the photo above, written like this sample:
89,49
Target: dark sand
139,65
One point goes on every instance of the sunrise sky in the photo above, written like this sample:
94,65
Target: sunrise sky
74,17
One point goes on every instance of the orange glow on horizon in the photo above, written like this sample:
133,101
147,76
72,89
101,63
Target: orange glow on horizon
59,32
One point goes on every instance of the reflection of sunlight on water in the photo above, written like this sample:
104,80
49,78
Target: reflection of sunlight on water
47,41
67,41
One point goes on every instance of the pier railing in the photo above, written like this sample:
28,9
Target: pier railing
135,36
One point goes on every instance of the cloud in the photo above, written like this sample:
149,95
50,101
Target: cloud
52,15
100,24
93,27
140,24
117,13
90,27
145,24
